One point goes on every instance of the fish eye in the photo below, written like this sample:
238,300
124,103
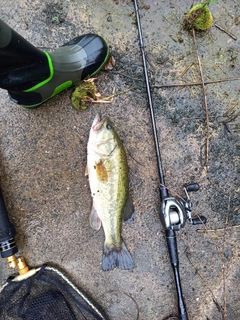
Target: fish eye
108,126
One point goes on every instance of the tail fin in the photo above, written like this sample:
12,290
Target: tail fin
116,257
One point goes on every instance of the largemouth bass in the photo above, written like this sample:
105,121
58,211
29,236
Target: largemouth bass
108,178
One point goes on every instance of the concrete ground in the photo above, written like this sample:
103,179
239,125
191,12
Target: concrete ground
43,156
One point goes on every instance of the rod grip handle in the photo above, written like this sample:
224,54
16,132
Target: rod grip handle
172,246
183,316
7,232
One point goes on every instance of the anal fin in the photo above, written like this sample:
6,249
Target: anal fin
129,213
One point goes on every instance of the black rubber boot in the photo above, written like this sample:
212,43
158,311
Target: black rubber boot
32,76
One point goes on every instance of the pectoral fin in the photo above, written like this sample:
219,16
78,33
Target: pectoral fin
129,213
95,222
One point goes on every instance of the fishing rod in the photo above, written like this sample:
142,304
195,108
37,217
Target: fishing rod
174,211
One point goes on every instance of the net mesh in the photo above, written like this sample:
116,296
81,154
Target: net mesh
47,295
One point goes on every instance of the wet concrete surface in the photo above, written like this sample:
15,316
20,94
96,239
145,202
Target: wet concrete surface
43,156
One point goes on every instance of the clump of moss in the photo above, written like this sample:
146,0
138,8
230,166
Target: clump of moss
85,92
199,17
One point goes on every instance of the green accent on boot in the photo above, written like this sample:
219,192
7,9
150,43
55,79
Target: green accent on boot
62,87
60,73
57,90
40,84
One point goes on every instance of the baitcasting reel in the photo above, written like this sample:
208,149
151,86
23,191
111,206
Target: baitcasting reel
176,211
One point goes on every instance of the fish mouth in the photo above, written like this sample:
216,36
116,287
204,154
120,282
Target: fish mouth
97,123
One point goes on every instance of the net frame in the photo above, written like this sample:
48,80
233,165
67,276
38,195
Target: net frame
48,294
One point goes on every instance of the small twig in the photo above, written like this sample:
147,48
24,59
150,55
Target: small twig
187,84
108,99
224,30
231,119
227,128
205,103
26,24
218,229
186,69
152,65
236,209
192,118
231,110
115,95
192,83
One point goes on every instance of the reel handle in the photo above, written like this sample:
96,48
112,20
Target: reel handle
192,187
8,246
199,220
188,206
